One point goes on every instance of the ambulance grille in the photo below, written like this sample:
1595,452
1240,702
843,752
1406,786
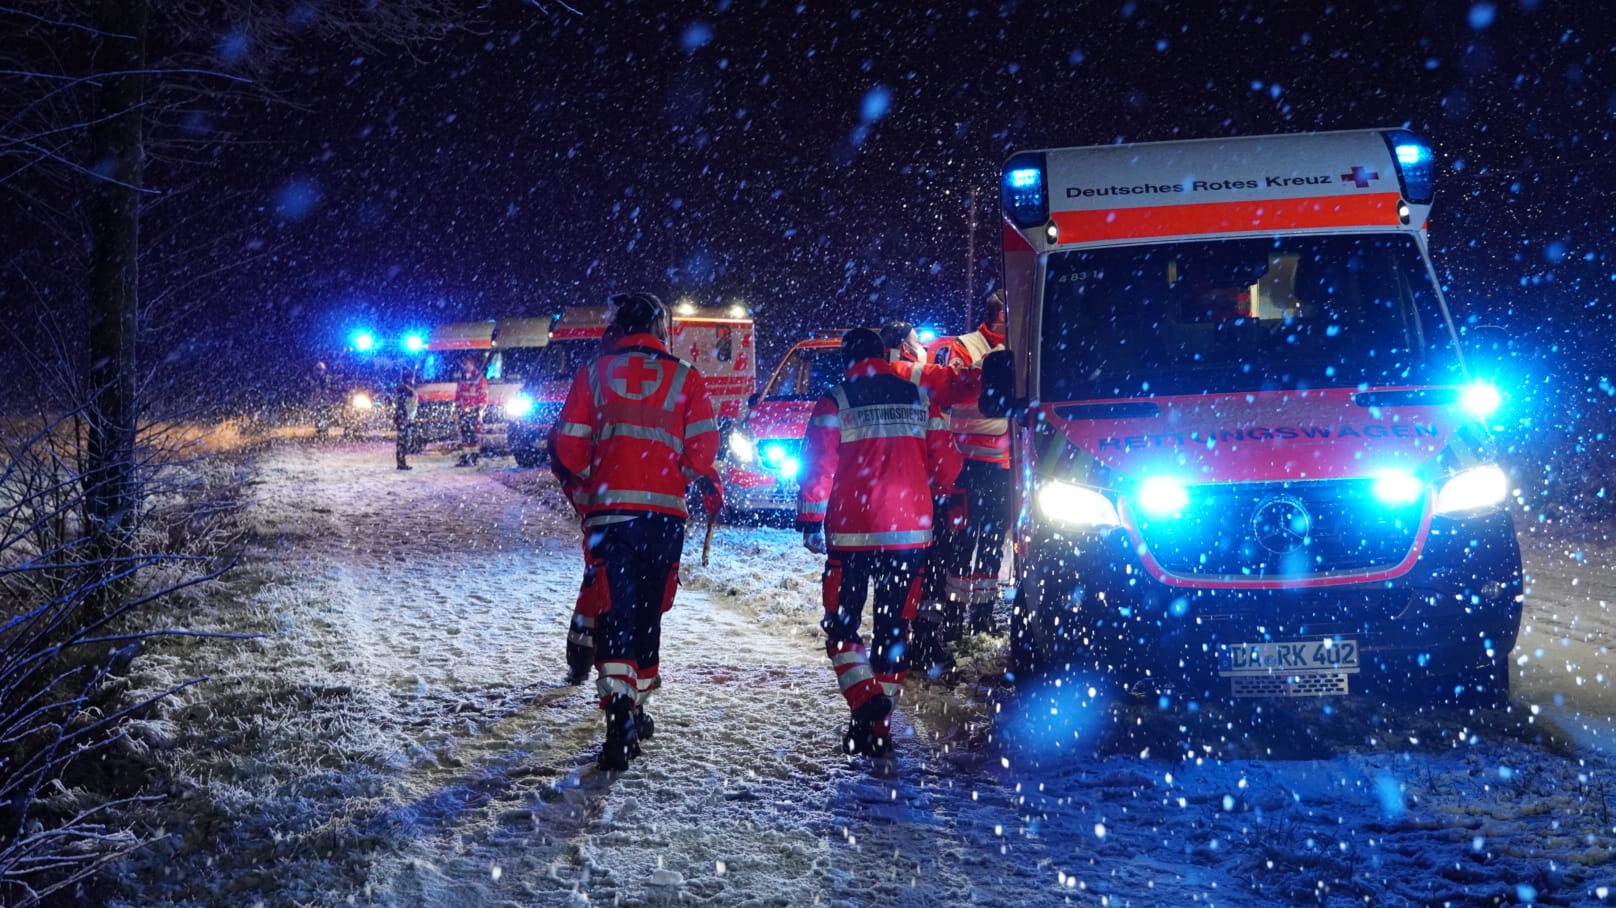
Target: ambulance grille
1303,685
1343,528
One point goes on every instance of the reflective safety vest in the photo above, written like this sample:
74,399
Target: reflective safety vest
979,437
874,452
637,427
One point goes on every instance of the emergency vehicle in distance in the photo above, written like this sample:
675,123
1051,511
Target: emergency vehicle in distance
718,342
763,453
1251,460
509,349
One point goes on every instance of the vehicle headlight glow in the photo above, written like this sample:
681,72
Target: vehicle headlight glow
1076,506
1475,489
742,447
519,406
1395,488
361,401
1163,496
1482,399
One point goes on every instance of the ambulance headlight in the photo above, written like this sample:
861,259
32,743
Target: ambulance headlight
1163,496
1398,488
519,407
1481,399
1076,506
361,401
1473,491
742,448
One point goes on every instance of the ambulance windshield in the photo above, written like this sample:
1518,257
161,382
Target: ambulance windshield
807,373
1278,313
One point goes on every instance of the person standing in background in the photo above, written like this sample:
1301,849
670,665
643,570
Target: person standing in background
404,407
471,398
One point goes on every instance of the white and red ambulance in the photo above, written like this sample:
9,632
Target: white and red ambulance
1251,458
717,341
508,350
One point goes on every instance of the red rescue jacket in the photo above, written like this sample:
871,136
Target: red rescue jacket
875,452
637,427
979,437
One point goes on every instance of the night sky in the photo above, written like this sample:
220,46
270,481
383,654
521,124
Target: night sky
817,161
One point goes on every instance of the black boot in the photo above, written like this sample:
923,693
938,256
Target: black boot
643,723
580,652
873,709
981,617
622,738
864,739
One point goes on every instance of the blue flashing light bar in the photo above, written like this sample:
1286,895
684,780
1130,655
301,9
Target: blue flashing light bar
1024,192
1416,165
364,341
414,343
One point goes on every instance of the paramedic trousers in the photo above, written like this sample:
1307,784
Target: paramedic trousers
847,582
976,550
639,559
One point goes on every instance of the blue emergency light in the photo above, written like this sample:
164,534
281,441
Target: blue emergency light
926,333
1024,192
364,341
414,343
1416,165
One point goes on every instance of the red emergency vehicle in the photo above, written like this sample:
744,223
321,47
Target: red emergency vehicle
719,342
763,454
1251,458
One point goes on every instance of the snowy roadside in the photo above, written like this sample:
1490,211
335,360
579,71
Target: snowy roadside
401,736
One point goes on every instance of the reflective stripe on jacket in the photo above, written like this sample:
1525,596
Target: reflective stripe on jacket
979,437
636,428
870,459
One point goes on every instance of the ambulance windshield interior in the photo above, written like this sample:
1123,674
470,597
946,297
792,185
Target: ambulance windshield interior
806,374
1245,314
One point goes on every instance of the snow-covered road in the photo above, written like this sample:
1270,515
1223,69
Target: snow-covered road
401,736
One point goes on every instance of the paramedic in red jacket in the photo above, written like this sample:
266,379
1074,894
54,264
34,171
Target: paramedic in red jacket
945,387
979,516
471,399
636,427
873,457
591,592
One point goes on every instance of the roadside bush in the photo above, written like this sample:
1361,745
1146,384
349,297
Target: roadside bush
71,623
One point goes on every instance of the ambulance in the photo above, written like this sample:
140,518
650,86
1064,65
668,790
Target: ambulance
1251,458
717,341
508,350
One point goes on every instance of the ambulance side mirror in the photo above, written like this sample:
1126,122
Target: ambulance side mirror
999,386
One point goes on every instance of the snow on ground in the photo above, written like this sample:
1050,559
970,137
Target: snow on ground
400,735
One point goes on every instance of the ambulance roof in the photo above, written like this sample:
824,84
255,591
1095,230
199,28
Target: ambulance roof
1324,180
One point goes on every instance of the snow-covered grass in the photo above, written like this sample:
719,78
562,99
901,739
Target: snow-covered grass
400,735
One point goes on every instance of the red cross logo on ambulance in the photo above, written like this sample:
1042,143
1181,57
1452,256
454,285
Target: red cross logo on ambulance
634,377
1360,176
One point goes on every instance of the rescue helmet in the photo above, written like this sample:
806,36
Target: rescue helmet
894,333
862,343
993,307
637,313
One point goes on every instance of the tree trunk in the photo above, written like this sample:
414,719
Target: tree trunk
117,159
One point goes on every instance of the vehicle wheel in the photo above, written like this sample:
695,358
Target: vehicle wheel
526,457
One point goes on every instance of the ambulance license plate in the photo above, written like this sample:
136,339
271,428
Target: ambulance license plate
1334,656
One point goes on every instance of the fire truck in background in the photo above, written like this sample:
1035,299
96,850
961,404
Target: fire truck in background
718,342
1251,457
